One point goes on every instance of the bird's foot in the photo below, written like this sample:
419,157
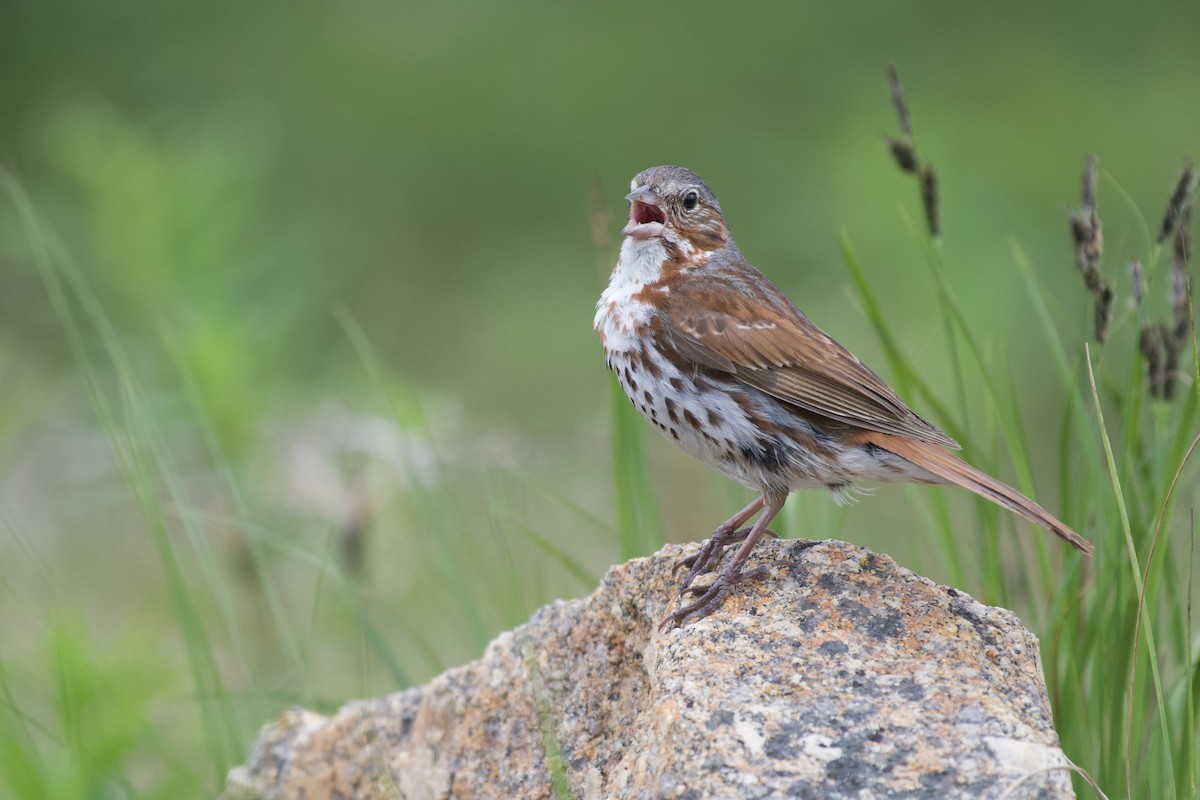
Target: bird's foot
709,556
712,596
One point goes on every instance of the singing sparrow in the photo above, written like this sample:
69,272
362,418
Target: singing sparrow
715,356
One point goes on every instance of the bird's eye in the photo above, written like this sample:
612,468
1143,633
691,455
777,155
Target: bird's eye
690,200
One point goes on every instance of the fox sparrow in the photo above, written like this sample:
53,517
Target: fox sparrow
716,356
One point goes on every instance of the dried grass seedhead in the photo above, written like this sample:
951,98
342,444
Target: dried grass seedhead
904,152
1162,350
1104,305
1151,345
1181,279
1184,188
1088,237
929,196
899,103
1163,343
1088,194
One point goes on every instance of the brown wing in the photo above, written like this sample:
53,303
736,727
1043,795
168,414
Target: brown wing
750,329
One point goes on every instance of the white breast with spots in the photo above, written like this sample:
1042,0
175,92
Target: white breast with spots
617,312
714,427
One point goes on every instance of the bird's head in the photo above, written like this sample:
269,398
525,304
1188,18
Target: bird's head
672,203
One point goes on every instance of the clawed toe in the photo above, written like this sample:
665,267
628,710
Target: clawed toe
712,596
741,577
709,555
684,562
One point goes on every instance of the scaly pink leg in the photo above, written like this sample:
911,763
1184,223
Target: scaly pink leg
709,598
710,553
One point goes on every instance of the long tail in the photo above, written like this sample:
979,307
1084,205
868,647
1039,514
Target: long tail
951,468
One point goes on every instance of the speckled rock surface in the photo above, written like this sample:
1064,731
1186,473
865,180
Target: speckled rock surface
844,676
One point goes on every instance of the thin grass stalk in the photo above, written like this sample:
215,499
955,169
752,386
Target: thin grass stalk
569,563
951,305
290,648
1042,552
222,734
371,638
1018,455
561,499
1141,607
556,762
19,728
501,522
431,511
1149,245
547,722
1189,731
1131,552
139,473
380,645
639,527
1079,406
1010,790
908,381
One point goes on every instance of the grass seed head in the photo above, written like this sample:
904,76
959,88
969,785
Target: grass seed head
899,102
1184,188
929,196
905,154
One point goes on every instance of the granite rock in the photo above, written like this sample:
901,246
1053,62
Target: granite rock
841,676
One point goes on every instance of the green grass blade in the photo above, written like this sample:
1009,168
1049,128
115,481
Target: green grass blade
288,646
1142,615
908,380
556,761
639,527
433,510
126,431
561,557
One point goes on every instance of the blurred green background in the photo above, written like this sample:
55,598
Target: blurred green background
347,258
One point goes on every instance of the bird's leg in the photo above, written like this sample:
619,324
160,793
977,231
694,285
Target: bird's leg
710,553
709,598
726,539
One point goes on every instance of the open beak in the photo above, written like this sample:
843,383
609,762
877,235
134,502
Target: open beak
646,216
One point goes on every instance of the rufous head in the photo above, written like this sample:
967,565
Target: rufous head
673,203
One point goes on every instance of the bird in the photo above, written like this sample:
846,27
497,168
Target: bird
716,356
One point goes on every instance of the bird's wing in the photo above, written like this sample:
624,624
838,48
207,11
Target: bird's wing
750,329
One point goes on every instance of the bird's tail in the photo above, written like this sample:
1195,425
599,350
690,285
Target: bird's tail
953,469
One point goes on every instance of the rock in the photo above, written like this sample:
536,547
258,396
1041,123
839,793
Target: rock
843,676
